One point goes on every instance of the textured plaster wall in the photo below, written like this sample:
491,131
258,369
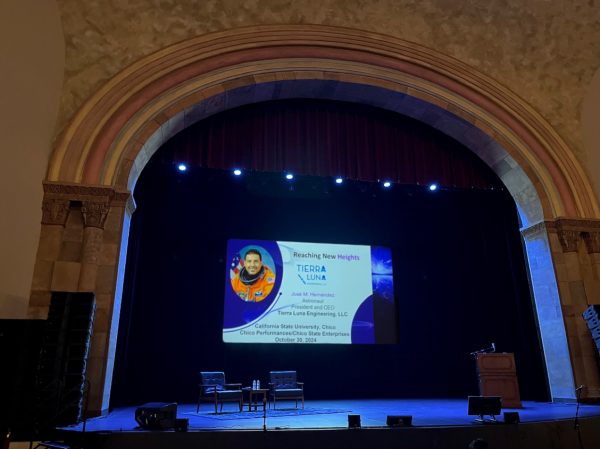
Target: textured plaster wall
590,117
546,51
31,74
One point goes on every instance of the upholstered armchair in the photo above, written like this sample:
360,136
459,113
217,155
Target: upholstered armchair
214,389
284,386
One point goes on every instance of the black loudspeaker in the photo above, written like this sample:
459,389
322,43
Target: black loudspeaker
399,420
158,416
353,421
20,343
512,418
62,365
181,424
485,405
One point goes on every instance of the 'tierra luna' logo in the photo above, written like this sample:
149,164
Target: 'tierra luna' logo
312,274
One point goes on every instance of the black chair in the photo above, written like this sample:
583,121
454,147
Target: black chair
213,388
284,386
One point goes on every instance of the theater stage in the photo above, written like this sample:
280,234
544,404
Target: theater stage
439,423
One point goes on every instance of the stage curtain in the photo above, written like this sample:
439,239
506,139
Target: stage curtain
327,138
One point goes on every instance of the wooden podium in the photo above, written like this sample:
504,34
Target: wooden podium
497,374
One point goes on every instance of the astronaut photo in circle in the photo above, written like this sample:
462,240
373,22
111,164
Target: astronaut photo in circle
251,278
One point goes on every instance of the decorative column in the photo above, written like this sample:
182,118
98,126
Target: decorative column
55,212
576,256
94,216
81,250
547,304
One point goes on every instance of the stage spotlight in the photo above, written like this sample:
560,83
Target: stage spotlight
289,176
182,167
433,187
354,421
387,184
338,180
237,172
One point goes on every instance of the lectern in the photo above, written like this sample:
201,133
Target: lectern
497,375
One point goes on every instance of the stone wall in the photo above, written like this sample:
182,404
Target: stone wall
83,245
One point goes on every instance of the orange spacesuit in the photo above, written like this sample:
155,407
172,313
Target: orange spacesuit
258,289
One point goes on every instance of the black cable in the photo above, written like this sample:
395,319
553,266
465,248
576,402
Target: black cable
264,414
576,423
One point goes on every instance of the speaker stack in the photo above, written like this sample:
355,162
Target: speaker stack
62,367
592,318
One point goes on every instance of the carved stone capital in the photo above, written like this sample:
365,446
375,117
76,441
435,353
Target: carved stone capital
55,211
94,213
592,241
570,230
568,240
96,202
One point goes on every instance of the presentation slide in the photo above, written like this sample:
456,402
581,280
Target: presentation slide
308,293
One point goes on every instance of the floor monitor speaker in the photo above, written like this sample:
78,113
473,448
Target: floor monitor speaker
484,405
399,420
512,418
157,415
353,421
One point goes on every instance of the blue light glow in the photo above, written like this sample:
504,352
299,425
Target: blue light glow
182,167
237,172
339,180
387,184
289,176
433,187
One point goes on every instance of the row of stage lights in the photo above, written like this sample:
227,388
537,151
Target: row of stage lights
290,177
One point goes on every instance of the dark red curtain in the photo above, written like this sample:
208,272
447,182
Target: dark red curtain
327,138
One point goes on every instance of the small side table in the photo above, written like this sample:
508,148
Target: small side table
254,395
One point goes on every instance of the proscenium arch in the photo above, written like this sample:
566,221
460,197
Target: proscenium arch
108,133
117,130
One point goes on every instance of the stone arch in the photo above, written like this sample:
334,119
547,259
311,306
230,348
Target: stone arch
118,129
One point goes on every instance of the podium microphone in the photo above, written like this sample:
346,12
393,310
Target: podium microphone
485,351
